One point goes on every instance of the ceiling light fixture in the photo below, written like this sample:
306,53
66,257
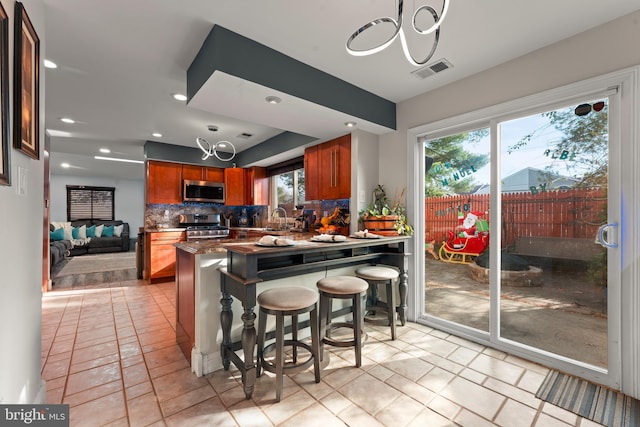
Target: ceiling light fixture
156,135
67,120
105,150
65,165
179,97
212,149
350,124
273,100
115,159
50,64
398,31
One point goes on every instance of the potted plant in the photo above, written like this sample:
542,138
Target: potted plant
385,217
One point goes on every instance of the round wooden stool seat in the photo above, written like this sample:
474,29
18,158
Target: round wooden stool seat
377,273
342,285
287,298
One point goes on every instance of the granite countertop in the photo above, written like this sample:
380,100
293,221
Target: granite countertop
162,230
211,246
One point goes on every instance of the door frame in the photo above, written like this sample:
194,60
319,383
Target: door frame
623,371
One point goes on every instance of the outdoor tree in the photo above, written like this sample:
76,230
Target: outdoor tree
582,149
453,166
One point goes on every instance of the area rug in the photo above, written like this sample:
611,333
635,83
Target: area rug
591,401
99,263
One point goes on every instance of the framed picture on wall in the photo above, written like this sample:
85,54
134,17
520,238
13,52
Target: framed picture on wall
26,96
5,166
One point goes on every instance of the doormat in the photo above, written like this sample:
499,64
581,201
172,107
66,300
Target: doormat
594,402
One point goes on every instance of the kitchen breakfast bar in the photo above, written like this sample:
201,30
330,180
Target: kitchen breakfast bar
247,269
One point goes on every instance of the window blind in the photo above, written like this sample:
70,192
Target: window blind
85,202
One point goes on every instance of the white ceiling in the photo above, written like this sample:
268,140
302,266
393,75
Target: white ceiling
120,61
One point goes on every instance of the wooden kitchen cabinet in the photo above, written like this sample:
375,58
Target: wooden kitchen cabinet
164,182
202,173
161,252
257,185
312,173
328,170
235,187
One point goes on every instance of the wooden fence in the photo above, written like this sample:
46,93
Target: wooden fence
574,213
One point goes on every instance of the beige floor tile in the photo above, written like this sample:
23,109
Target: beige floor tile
400,412
99,411
143,410
138,390
515,414
436,379
466,418
407,366
480,400
292,405
247,414
135,374
560,413
504,371
411,389
94,377
177,383
444,407
183,401
369,393
354,416
432,419
545,420
208,413
335,402
512,392
314,416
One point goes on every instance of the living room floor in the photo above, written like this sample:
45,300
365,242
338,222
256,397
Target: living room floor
109,351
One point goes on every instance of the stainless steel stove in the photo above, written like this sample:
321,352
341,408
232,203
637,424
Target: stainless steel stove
203,226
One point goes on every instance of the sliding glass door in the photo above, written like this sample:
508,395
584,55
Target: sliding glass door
521,233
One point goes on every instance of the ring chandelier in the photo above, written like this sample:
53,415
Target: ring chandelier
399,31
210,150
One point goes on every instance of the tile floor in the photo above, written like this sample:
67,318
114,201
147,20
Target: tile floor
108,350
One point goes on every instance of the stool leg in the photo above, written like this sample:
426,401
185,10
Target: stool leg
279,355
391,308
262,327
315,345
323,323
294,336
357,327
328,308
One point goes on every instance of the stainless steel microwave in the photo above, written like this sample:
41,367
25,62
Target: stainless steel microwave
202,191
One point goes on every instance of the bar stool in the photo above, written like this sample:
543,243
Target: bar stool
376,275
342,287
281,302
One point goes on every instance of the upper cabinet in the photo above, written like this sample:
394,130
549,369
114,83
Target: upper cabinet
202,173
328,170
257,186
234,186
164,182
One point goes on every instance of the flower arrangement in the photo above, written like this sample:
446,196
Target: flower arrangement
385,216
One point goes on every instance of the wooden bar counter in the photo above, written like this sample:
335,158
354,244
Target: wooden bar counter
248,265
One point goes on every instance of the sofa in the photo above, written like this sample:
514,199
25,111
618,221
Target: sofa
61,246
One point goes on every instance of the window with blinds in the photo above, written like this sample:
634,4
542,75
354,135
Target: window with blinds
90,203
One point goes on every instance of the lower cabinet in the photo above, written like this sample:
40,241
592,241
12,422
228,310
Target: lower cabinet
162,254
185,302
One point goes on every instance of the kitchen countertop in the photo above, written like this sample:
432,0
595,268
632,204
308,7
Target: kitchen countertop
210,246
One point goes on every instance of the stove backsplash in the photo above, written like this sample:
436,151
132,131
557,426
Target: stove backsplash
167,216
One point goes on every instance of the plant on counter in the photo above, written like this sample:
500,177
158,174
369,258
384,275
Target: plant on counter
383,216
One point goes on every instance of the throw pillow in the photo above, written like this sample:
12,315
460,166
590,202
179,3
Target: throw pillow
75,232
57,234
118,229
99,229
68,232
82,232
91,231
107,231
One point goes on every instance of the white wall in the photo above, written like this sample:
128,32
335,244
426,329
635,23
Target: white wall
129,201
364,173
21,219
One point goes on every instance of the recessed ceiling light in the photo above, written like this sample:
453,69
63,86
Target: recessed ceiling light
105,150
67,120
156,135
115,159
65,165
50,64
179,97
273,100
350,124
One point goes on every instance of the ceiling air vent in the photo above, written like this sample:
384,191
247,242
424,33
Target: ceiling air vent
245,135
431,69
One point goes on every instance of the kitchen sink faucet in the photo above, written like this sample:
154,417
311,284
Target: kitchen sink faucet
279,208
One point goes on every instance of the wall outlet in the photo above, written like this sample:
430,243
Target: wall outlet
362,196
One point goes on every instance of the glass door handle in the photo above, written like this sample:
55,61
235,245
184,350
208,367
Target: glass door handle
600,237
